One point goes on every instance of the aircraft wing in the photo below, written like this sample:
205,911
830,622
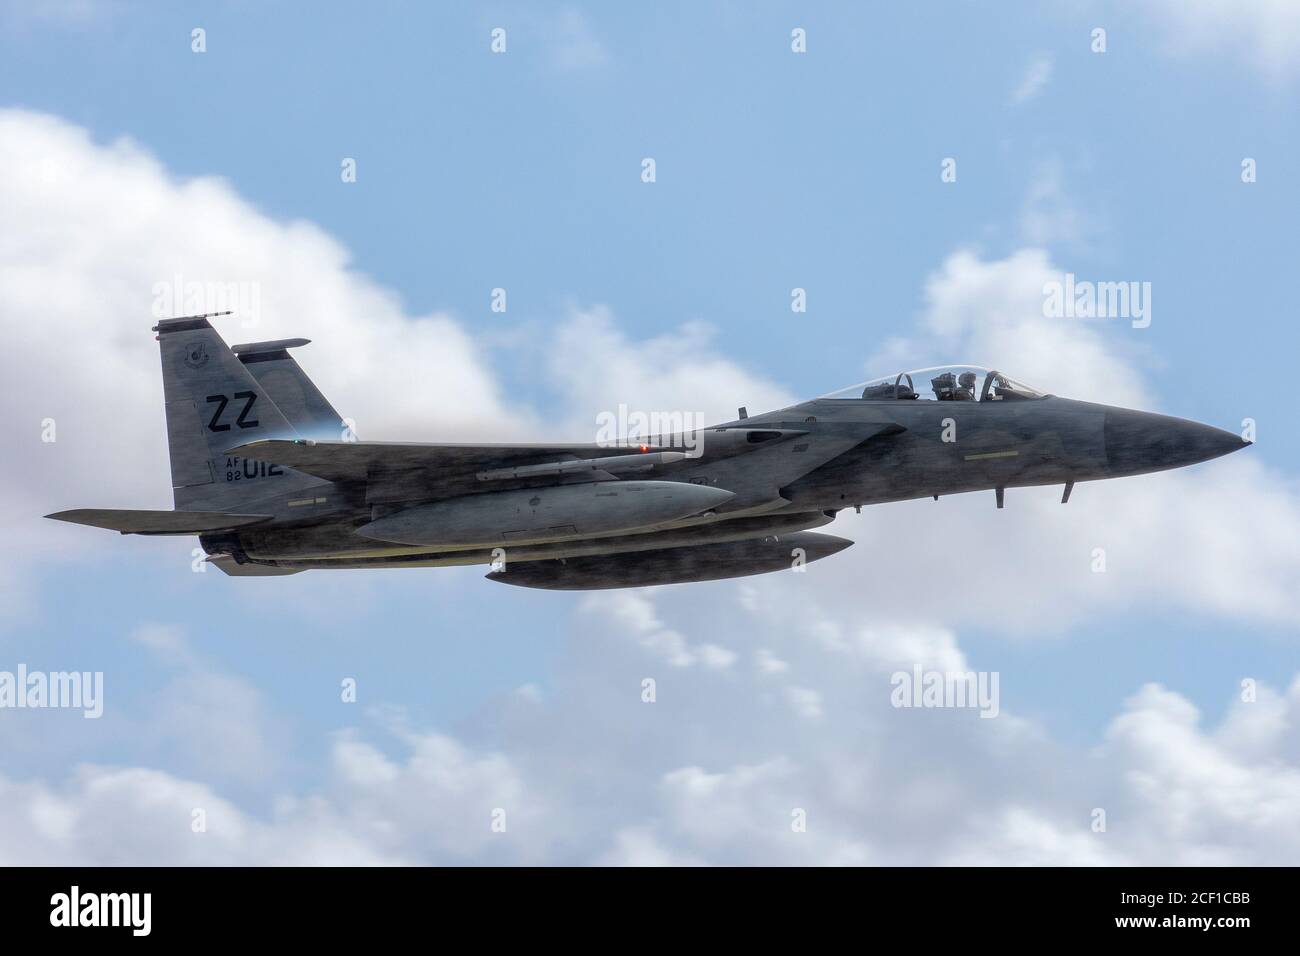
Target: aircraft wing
157,522
362,461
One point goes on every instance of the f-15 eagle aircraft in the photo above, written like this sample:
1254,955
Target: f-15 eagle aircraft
267,499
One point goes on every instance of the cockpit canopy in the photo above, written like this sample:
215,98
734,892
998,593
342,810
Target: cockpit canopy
944,383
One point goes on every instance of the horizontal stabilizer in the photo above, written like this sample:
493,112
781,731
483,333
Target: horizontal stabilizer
157,522
262,348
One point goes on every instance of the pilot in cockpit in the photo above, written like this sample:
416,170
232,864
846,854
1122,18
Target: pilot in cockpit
943,386
965,391
952,388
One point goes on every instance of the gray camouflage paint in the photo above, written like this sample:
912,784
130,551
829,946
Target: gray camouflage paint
265,499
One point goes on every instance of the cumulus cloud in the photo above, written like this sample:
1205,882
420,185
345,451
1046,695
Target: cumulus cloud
720,770
1264,34
772,702
1238,560
91,233
990,312
98,240
635,614
596,368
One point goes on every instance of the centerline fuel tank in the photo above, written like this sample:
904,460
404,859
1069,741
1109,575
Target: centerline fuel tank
701,562
543,514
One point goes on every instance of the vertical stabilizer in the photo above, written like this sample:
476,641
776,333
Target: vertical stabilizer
213,403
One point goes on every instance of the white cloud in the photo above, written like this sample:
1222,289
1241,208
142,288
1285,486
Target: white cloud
88,231
1265,34
437,804
1048,215
990,312
769,663
1035,80
1219,803
640,847
75,14
716,768
805,702
203,716
717,771
560,40
164,640
572,40
634,613
596,368
1232,522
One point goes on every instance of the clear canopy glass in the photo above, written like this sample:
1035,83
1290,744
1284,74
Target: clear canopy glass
943,383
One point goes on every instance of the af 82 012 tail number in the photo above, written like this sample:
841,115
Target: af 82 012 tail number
246,469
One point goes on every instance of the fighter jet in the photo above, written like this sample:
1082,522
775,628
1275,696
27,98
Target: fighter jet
272,481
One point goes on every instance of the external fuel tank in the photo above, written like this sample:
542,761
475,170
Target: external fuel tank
545,514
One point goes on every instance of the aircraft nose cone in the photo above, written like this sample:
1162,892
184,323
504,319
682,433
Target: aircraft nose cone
1138,442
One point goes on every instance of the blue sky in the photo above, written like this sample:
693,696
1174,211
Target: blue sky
774,171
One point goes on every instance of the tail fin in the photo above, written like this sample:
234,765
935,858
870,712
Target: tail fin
286,384
213,403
